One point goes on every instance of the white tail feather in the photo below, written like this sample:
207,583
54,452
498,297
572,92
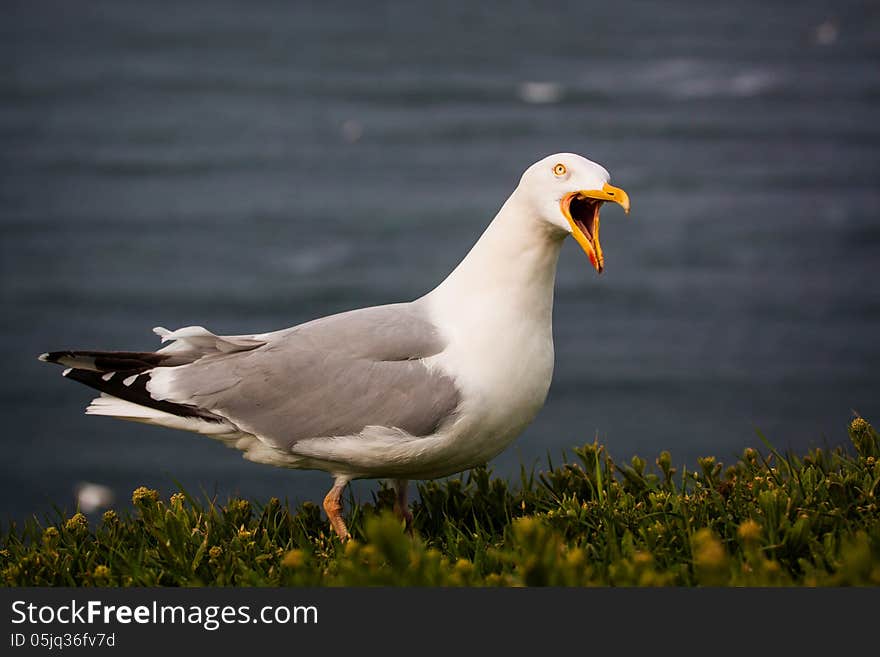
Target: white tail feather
254,449
111,406
199,340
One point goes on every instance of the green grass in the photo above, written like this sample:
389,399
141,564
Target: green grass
768,519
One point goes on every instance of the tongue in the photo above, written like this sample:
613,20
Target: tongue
584,228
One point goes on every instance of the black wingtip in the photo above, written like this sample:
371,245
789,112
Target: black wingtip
53,356
111,361
131,386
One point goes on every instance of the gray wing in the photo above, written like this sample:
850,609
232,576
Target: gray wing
330,377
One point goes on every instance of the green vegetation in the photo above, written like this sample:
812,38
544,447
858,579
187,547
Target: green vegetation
768,519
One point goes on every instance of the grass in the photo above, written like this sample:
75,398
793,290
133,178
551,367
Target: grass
768,519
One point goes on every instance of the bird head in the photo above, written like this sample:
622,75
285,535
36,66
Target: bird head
566,191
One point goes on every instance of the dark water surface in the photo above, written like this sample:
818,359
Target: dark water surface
250,166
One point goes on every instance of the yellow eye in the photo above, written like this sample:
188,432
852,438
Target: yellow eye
559,169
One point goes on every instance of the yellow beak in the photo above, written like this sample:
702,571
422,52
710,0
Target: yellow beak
581,209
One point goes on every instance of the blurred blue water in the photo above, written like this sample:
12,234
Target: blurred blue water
251,166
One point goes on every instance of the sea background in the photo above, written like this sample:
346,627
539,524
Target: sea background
249,166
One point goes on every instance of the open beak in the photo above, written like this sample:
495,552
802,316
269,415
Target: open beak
582,211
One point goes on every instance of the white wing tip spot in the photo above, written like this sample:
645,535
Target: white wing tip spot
108,376
129,380
67,371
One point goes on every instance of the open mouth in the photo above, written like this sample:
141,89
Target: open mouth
582,213
585,215
581,209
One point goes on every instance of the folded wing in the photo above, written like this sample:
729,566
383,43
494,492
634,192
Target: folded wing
330,377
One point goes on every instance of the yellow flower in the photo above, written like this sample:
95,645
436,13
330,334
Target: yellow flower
101,572
177,499
239,506
710,558
294,559
144,495
858,425
641,558
215,552
464,567
749,531
78,523
110,517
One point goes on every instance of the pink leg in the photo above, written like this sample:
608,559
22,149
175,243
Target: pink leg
401,508
333,507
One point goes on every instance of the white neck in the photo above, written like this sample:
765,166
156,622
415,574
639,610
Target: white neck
509,273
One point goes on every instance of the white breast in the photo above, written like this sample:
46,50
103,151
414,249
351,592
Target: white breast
502,362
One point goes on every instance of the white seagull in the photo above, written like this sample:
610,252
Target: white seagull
414,390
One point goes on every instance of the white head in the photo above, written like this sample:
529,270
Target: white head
566,191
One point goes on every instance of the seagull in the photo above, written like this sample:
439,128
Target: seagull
415,390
